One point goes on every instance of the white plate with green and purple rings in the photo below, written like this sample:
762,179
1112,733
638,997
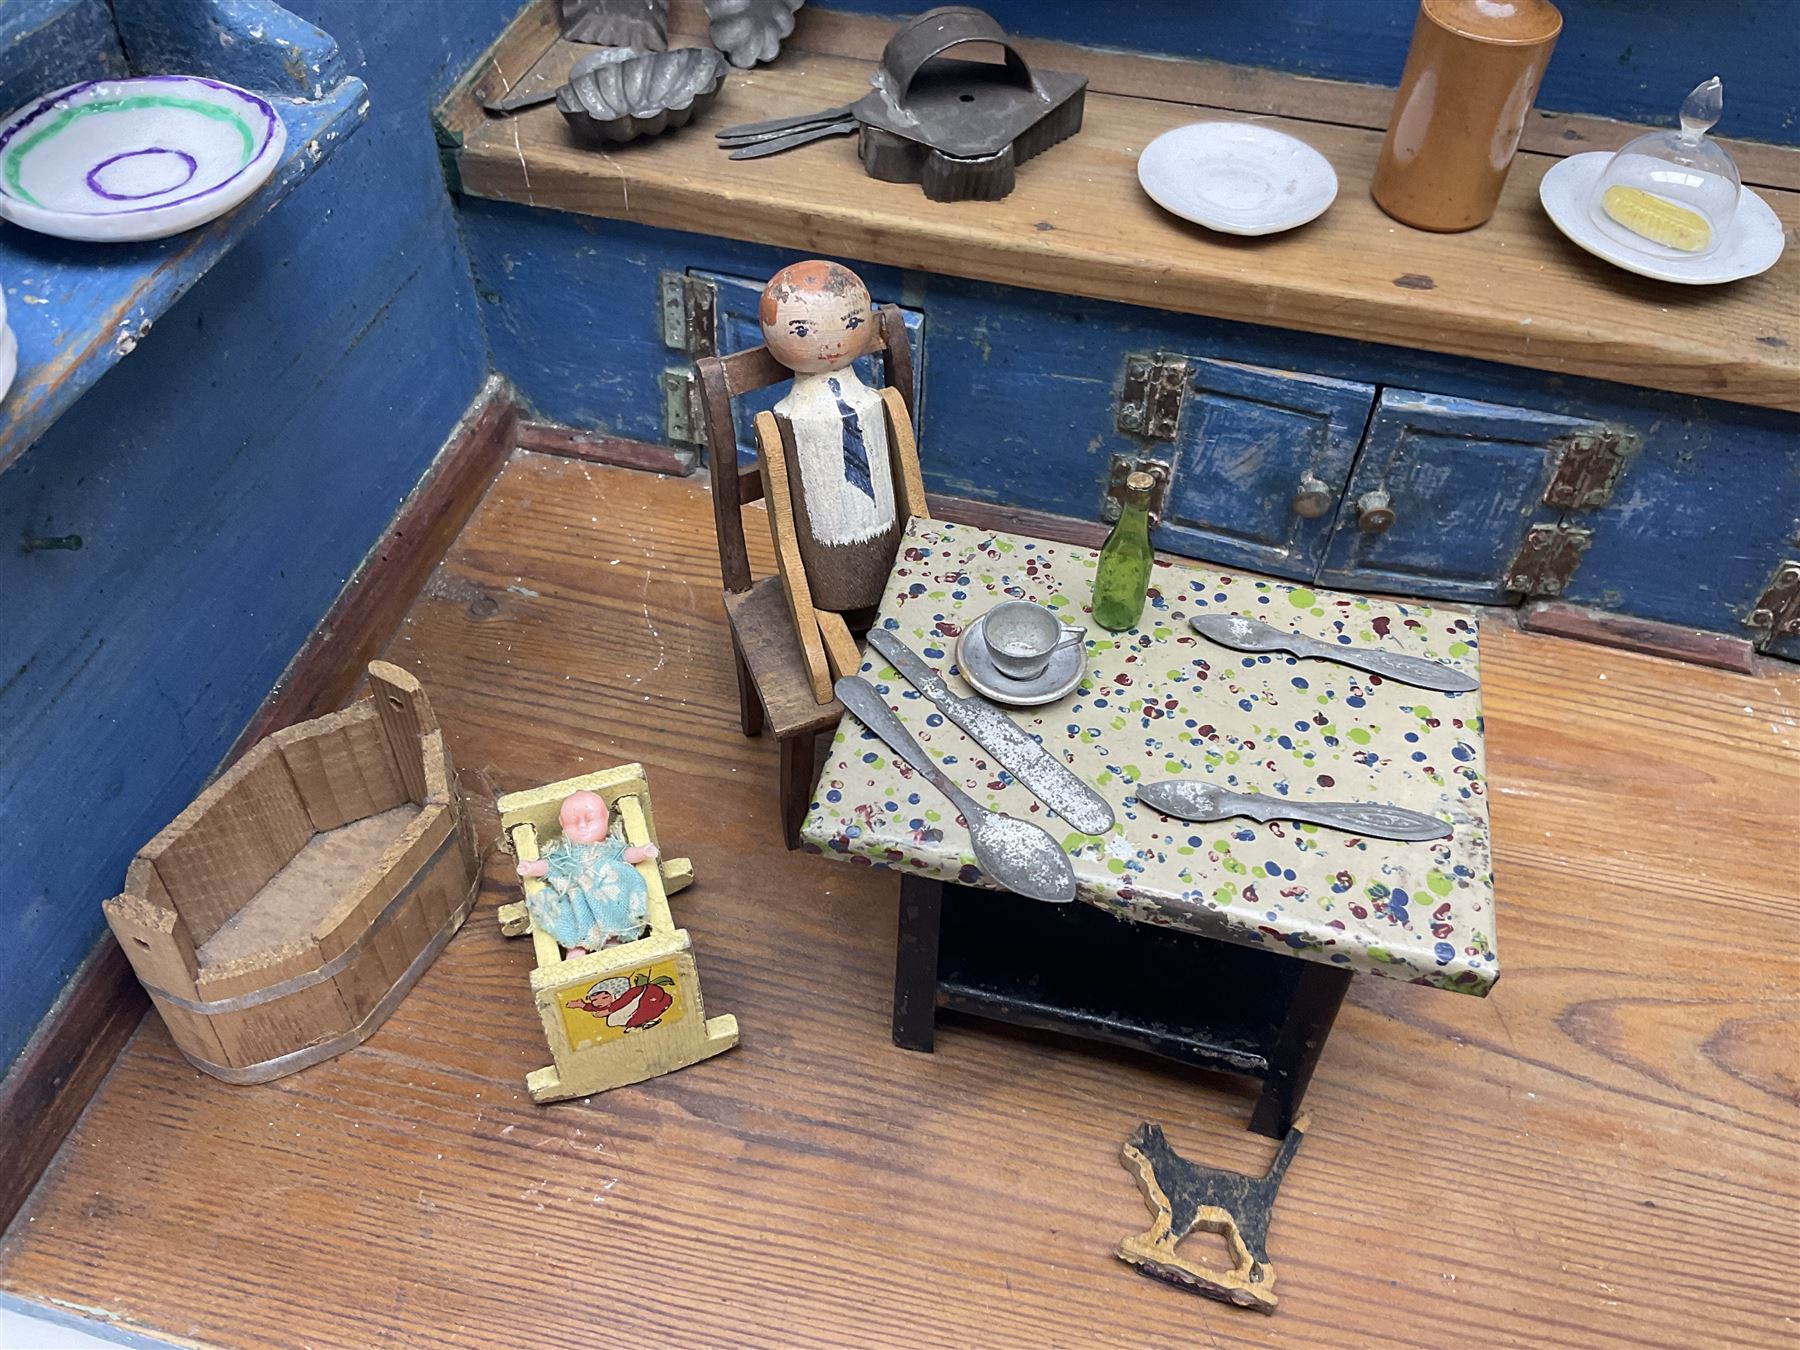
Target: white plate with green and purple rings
139,158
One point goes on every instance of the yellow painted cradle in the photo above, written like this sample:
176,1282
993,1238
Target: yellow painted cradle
624,1013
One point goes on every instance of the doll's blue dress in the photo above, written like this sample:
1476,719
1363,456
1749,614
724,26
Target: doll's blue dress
591,896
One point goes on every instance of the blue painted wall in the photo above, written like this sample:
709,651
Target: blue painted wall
45,44
1616,58
224,480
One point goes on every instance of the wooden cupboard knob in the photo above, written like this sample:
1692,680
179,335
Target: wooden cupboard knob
1312,498
1373,514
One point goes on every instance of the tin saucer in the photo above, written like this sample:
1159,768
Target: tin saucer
1058,679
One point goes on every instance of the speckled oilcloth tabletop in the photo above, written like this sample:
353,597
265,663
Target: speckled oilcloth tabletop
1160,701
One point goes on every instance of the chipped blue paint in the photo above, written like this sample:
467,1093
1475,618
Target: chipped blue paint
1247,439
1020,387
224,482
45,44
252,43
1613,59
1465,481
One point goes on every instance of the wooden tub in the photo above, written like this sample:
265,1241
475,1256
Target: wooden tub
283,915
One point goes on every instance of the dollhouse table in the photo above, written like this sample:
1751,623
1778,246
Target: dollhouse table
1242,938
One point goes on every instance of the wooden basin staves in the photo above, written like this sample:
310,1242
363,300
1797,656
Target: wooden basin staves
281,917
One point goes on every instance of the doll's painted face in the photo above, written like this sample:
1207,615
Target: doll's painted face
583,817
816,316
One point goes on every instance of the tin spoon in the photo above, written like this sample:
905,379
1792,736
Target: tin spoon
1021,856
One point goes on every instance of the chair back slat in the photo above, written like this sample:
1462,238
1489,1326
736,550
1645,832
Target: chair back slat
753,369
896,354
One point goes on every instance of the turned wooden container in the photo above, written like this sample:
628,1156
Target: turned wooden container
279,919
1471,76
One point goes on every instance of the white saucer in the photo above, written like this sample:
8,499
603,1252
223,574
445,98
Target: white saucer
139,158
1237,177
1058,678
1752,245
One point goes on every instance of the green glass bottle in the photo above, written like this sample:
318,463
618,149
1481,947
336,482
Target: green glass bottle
1124,574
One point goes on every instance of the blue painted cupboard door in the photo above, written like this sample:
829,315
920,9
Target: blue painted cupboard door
737,327
1261,460
1464,482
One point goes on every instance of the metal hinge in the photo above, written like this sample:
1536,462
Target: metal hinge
1150,400
684,421
1776,613
690,308
1123,466
1589,467
1547,559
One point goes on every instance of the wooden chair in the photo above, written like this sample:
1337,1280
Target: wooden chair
777,678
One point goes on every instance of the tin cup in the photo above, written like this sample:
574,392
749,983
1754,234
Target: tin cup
1022,637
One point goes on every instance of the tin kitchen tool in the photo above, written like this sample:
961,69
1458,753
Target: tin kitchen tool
959,129
616,23
1041,773
1253,635
750,31
545,79
644,94
1020,856
1191,799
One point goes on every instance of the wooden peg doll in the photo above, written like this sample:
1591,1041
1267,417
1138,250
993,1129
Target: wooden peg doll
839,466
817,319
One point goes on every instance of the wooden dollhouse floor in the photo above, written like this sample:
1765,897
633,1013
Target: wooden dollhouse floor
1601,1152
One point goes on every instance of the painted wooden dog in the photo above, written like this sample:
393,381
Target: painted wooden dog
1183,1196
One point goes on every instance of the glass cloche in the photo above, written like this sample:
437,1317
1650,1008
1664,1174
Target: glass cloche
1672,194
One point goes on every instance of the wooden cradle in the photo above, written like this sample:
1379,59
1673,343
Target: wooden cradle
589,1052
281,917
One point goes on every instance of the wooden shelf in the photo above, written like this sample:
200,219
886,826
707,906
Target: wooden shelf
1513,291
78,309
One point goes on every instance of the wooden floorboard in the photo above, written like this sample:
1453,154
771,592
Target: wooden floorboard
1602,1153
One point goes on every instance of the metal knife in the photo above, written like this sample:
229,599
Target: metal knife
777,126
774,145
1253,635
1041,773
1191,799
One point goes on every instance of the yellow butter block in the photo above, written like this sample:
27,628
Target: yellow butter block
1657,218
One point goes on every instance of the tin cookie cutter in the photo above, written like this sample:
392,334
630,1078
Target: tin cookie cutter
958,128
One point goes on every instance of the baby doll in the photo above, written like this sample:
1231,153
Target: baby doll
592,896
